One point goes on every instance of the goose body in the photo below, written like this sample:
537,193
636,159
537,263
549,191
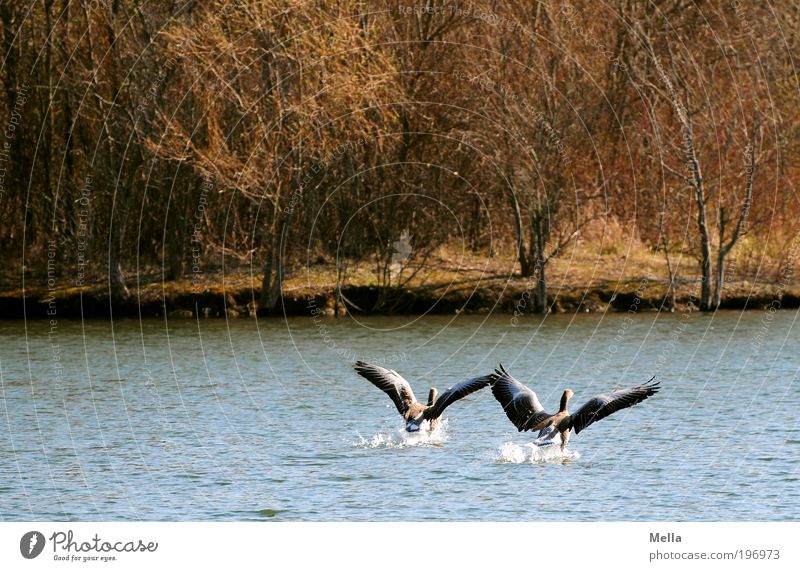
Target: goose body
413,411
524,410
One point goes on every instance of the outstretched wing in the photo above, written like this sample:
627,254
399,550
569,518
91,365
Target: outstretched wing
603,405
455,393
521,404
390,382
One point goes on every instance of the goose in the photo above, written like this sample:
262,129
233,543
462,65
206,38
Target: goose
413,411
524,410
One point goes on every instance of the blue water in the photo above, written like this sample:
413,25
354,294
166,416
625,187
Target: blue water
265,420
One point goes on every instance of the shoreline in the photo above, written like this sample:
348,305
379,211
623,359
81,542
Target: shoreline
503,296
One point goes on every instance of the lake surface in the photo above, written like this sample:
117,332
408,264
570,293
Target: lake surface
265,419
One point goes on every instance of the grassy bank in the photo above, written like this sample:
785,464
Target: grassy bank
619,279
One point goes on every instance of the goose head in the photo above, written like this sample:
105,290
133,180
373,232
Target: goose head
565,399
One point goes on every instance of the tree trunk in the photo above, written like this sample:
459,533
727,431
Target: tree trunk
702,226
173,238
720,272
695,178
272,282
725,248
541,290
526,267
705,264
540,232
270,290
718,284
662,229
119,212
118,291
173,268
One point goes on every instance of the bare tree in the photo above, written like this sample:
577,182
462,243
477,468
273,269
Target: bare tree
671,83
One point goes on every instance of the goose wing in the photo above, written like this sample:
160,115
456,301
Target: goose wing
601,406
390,382
455,393
521,404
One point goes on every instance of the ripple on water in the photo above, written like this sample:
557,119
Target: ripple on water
177,455
403,439
512,453
267,512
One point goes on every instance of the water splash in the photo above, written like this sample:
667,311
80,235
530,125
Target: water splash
400,438
532,453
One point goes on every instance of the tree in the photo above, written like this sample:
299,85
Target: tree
712,122
540,118
285,100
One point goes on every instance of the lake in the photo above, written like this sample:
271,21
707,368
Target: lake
265,419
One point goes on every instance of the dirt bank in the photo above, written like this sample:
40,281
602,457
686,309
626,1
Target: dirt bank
238,298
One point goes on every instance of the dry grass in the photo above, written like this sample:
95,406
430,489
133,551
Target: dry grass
605,257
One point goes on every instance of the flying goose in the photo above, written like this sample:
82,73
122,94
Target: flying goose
524,410
410,409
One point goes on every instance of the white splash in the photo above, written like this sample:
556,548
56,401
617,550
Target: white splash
401,438
512,453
